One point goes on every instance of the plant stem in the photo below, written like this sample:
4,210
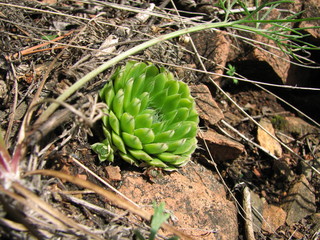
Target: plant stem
73,88
238,24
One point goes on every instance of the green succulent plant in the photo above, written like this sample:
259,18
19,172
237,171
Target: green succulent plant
151,118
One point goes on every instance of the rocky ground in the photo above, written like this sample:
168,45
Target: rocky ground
238,173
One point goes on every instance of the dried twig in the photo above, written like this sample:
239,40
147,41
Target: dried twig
113,198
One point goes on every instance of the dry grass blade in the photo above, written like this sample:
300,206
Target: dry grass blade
35,49
38,205
13,225
113,198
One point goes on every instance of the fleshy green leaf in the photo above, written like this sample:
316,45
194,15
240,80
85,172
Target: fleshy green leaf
138,85
193,116
114,122
180,116
134,107
107,93
157,163
129,159
192,132
169,75
170,103
117,104
159,83
173,145
184,90
188,146
117,141
169,116
104,151
158,99
141,155
145,100
180,128
105,118
164,136
173,87
157,126
131,140
149,85
106,132
127,94
144,121
155,148
181,161
146,135
151,71
185,102
138,69
118,80
168,157
127,123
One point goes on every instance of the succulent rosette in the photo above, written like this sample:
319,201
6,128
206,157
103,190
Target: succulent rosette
151,118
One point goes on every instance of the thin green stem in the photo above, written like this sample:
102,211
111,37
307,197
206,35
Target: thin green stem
225,24
73,88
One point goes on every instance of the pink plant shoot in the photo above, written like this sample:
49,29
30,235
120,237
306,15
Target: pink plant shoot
9,166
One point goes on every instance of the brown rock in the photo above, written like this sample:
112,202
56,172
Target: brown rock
299,127
207,108
274,218
113,173
311,8
231,118
315,219
266,141
214,46
197,202
300,201
275,58
221,147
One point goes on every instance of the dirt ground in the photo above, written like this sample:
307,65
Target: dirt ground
46,46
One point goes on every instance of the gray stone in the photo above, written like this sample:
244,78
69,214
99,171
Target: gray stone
257,204
300,201
315,230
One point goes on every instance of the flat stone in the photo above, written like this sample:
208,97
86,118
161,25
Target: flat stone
266,141
300,201
299,127
315,218
196,199
113,173
274,217
206,106
231,118
275,58
221,147
311,9
215,46
257,204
